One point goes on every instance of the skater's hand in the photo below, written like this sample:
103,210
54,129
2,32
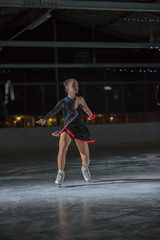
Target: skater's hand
42,122
91,117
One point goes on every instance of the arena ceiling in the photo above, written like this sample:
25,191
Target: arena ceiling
124,22
134,21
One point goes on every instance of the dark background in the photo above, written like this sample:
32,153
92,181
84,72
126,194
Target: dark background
133,89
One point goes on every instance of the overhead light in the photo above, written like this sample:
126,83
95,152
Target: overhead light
39,21
107,88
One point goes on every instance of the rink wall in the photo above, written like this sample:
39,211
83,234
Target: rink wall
111,134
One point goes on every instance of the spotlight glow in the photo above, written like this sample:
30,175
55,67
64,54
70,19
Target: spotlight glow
107,88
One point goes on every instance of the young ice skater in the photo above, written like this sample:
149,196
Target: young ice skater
72,108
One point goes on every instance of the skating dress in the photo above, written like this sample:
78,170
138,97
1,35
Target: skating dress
73,124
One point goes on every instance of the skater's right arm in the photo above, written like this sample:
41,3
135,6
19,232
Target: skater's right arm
52,113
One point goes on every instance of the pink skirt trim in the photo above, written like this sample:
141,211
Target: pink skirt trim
71,134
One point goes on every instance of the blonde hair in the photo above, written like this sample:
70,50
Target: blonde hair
67,81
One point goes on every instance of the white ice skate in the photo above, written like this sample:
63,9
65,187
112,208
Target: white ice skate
86,174
60,177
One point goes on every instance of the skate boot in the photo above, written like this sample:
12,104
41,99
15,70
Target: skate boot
60,177
86,174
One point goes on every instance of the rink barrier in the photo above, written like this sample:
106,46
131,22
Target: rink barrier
39,138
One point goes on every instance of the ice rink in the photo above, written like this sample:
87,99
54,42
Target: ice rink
121,202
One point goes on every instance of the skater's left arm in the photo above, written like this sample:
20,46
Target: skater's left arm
86,109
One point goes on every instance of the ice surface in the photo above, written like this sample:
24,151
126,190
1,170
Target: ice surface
121,202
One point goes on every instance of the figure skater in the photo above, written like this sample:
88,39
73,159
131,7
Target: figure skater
72,107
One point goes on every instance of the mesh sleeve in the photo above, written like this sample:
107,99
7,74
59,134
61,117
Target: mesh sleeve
54,111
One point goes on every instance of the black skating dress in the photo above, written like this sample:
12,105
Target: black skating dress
73,124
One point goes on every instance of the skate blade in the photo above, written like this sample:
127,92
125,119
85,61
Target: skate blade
59,185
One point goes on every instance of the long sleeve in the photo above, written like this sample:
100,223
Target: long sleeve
54,111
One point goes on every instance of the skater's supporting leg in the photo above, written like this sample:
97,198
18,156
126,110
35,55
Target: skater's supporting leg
64,142
84,152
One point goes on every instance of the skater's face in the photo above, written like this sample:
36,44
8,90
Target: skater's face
72,87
